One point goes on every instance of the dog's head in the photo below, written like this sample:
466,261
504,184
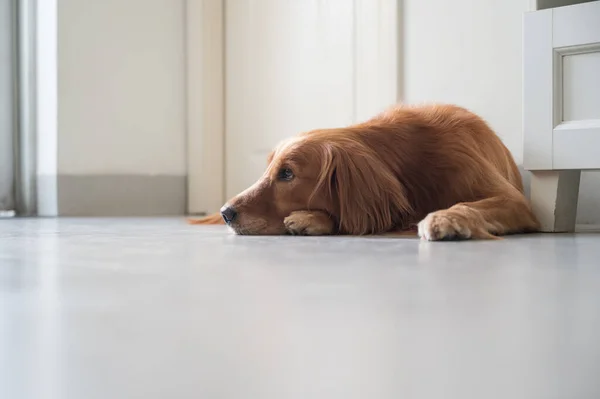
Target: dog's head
329,171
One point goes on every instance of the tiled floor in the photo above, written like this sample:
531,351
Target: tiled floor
154,308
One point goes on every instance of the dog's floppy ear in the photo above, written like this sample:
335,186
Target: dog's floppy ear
369,196
270,157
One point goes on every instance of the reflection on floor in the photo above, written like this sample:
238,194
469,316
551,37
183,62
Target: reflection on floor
155,308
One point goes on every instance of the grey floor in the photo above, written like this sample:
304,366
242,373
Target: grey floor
154,308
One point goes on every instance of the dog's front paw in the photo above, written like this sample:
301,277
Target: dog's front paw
457,223
307,223
445,225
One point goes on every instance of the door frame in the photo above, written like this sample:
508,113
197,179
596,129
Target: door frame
30,22
205,103
377,84
8,73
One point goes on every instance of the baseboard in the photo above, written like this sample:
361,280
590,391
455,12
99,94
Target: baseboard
121,195
587,228
47,202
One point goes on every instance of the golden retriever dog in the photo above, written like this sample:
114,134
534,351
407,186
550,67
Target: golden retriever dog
437,167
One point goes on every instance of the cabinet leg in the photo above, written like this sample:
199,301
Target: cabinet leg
554,196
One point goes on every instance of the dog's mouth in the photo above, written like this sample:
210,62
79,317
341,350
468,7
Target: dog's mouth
258,227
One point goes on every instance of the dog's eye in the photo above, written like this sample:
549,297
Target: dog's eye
285,174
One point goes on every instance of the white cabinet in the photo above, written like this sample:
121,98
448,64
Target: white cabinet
561,107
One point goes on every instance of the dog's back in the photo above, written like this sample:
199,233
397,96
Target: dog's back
444,154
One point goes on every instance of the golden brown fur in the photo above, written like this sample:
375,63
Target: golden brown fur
438,166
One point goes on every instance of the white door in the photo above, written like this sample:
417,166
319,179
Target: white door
562,88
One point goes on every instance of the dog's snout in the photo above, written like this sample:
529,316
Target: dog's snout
228,214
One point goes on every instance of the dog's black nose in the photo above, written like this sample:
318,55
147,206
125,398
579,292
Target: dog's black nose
228,214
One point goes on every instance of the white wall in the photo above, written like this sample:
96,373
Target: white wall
470,52
121,139
121,87
275,88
